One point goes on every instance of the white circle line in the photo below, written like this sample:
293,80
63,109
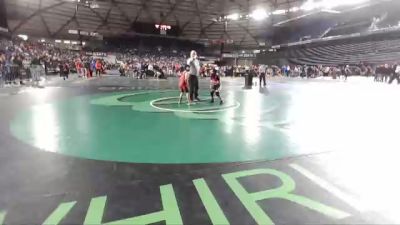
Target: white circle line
139,93
237,105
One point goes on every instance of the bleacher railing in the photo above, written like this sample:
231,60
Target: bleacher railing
339,37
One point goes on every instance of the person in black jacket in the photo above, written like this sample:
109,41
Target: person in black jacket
64,70
16,69
89,71
378,73
387,72
395,74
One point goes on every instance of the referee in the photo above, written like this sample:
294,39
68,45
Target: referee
194,72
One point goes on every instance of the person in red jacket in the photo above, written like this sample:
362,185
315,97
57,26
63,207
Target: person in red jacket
98,67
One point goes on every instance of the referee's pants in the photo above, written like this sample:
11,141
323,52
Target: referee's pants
193,87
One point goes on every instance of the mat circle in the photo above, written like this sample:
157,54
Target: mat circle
172,104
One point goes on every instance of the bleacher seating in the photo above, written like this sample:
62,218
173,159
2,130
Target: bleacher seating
344,52
349,28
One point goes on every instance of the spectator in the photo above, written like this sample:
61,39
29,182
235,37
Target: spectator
99,67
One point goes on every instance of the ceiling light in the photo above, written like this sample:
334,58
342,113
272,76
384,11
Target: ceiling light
294,9
259,14
73,31
279,12
330,11
234,16
58,41
23,36
309,5
327,4
94,6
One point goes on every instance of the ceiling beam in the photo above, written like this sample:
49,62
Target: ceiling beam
45,25
187,10
43,21
172,10
145,7
203,30
100,17
105,19
37,12
116,5
185,25
242,40
208,4
55,34
248,32
76,16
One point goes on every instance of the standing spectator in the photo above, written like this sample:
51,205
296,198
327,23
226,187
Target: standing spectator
89,71
17,66
395,74
283,69
64,70
122,69
303,71
93,65
98,68
262,72
347,72
8,77
326,71
387,71
2,68
370,71
79,68
138,69
310,71
378,74
150,70
35,70
288,70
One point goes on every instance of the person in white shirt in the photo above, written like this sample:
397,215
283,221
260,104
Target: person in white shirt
138,69
194,73
296,71
288,71
262,70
